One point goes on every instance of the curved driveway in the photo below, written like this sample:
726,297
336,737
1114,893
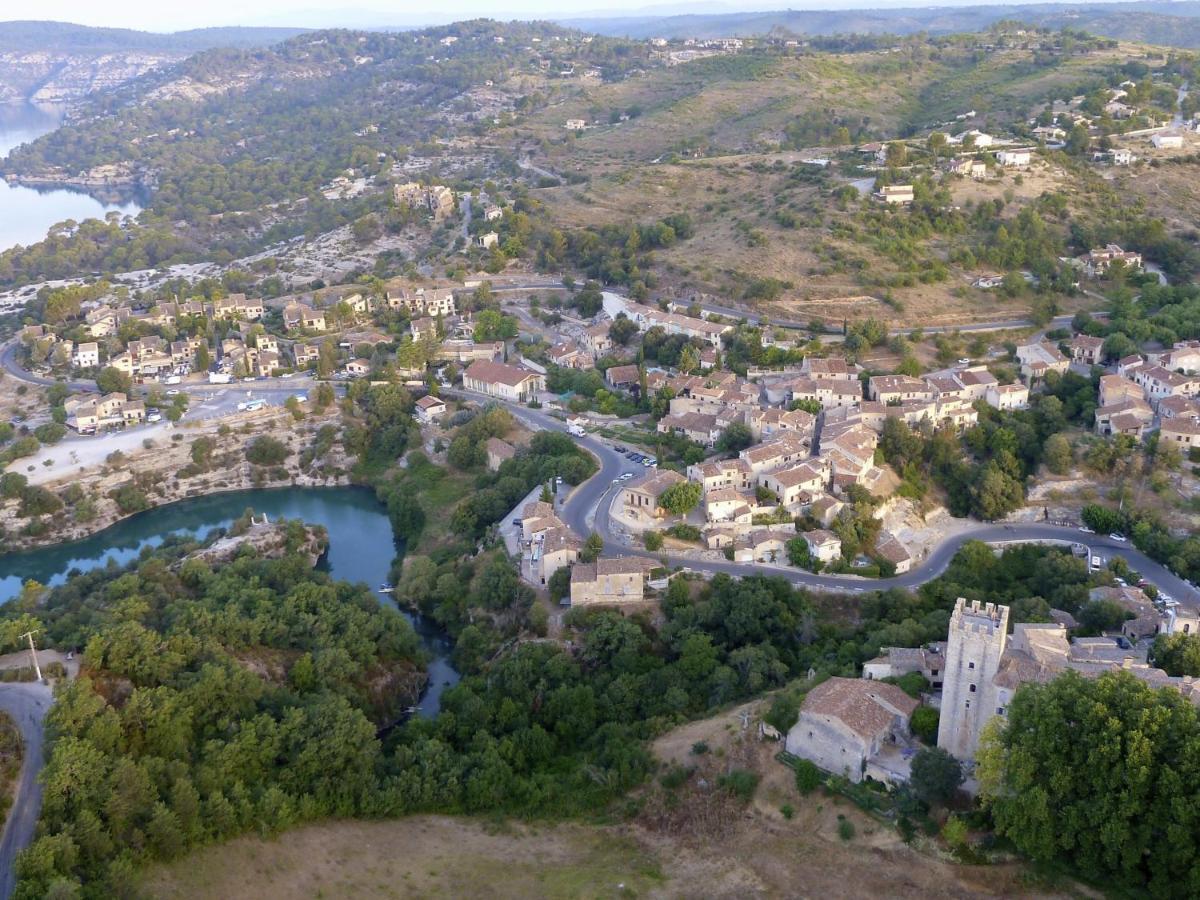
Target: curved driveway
586,510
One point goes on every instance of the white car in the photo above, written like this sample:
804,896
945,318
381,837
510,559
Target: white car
172,392
964,362
1085,530
1118,537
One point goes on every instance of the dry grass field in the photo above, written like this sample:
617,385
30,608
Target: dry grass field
756,852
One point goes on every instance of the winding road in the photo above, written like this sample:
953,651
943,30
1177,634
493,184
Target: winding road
27,704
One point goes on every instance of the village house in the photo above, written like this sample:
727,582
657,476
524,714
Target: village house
623,377
776,453
719,474
764,546
90,413
830,393
729,505
358,368
498,452
889,548
1180,432
830,368
1039,359
1131,417
597,341
1158,382
642,498
1167,141
795,484
701,428
1014,159
892,389
1086,349
1007,396
497,379
423,327
766,422
305,354
975,381
299,316
1127,364
895,194
487,240
847,725
1097,262
647,317
569,356
928,661
87,355
236,306
607,580
430,409
547,544
822,545
1179,407
1114,389
1183,357
466,350
825,509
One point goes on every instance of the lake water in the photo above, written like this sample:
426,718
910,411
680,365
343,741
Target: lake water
26,213
361,549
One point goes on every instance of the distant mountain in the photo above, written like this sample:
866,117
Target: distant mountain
1155,21
63,37
56,62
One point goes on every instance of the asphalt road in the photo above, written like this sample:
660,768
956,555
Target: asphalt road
586,510
27,704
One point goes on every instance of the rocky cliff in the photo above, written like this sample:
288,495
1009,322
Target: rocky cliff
68,77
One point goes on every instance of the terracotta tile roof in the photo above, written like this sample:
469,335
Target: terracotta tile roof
866,707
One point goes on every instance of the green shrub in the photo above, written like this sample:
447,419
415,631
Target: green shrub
741,783
266,451
845,828
653,540
808,776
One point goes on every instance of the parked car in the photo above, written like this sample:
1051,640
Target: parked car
1118,537
1086,530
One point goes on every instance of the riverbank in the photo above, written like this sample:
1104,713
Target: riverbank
198,459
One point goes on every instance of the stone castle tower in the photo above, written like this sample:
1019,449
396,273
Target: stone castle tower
978,635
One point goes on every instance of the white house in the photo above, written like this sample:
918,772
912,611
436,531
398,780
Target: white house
1014,158
430,409
1167,141
87,355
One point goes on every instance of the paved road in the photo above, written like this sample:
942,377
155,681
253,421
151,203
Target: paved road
586,510
27,704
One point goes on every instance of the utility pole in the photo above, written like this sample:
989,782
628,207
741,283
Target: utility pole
33,653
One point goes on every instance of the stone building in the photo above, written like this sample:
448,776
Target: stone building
978,634
854,727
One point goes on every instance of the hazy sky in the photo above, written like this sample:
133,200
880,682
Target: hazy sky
172,15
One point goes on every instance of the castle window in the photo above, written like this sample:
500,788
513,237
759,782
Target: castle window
970,665
972,689
999,710
933,672
968,704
